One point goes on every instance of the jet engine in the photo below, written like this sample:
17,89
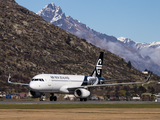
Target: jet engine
35,94
81,93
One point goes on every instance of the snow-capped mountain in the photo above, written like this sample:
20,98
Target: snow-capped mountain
54,15
147,50
142,55
127,41
51,13
139,45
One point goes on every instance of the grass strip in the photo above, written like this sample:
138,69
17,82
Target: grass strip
81,105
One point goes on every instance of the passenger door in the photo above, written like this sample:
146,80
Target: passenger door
50,86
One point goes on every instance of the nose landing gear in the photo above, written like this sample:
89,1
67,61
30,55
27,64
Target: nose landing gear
42,98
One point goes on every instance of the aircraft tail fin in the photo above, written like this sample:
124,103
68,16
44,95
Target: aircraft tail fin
98,68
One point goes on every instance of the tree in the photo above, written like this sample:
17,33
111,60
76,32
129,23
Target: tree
141,89
128,93
145,70
135,89
152,90
129,64
126,88
123,92
117,91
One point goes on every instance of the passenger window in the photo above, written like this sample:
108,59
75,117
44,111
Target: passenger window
37,80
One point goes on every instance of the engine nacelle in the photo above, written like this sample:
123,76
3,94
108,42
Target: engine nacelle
81,93
35,94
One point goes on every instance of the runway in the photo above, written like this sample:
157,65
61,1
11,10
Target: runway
69,102
71,110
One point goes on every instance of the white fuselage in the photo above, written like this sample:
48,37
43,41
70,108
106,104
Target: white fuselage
56,83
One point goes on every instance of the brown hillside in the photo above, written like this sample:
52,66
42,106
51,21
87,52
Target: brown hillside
29,46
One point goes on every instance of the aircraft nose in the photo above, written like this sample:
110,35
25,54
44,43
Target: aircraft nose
34,86
31,85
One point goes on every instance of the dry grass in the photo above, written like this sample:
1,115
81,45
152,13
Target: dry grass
81,114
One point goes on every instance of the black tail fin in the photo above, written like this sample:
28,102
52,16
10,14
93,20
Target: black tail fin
98,68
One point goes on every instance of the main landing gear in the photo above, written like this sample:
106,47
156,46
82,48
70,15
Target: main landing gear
83,99
52,97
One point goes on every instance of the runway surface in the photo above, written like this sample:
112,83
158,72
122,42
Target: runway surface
68,102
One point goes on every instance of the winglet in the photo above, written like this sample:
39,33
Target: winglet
150,73
9,78
9,81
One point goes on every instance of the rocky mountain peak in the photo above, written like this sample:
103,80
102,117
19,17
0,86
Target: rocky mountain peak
126,41
51,13
51,6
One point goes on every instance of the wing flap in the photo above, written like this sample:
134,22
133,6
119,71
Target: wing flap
109,80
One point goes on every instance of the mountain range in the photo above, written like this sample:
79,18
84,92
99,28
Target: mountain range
142,55
30,45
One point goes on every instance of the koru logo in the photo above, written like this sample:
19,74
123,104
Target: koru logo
98,71
99,67
99,62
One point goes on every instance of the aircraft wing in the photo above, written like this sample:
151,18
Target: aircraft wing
9,81
113,84
103,85
109,80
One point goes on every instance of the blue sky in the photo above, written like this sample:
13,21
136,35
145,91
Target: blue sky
138,20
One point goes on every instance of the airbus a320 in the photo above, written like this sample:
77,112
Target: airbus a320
69,84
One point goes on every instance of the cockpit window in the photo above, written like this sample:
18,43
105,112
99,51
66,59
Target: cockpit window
37,80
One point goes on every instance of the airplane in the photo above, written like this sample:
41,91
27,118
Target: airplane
78,85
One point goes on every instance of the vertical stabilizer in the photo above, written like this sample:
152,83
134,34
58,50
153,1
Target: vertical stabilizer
98,68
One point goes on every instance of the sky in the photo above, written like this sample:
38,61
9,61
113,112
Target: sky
138,20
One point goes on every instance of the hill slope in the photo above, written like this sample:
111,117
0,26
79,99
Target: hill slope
29,46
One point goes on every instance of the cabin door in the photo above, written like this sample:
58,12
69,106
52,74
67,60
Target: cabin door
50,85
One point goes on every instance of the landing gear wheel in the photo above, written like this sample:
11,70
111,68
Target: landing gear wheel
52,97
83,99
55,98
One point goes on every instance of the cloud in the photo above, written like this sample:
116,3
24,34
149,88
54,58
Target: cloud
153,53
146,58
